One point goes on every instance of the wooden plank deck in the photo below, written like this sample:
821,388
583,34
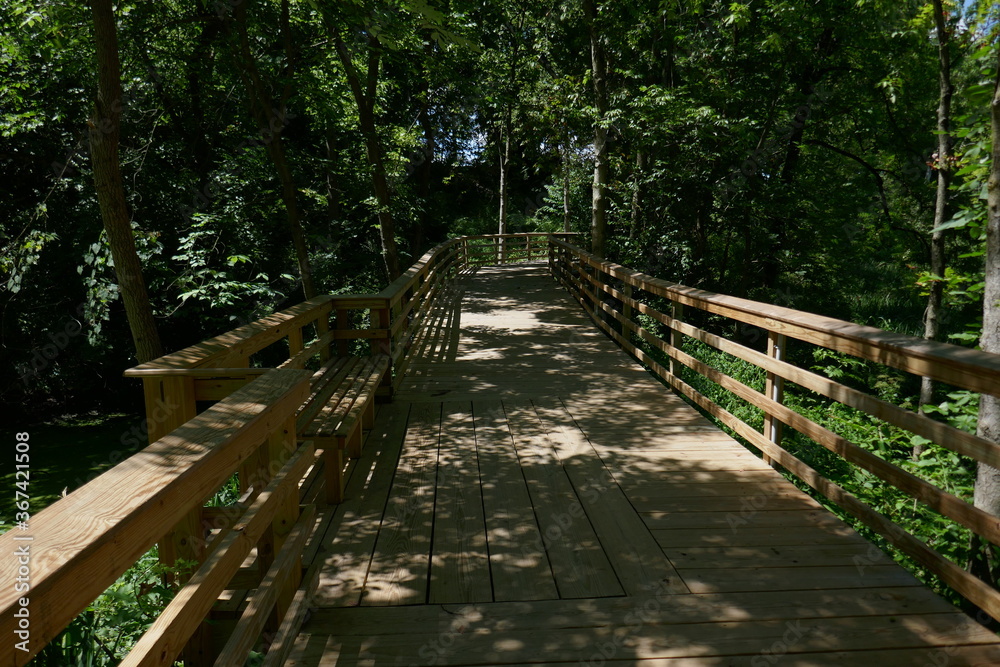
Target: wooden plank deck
532,496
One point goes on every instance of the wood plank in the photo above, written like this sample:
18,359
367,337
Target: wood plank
747,516
460,566
579,564
738,505
369,380
662,489
795,555
850,575
634,553
401,562
654,608
657,462
645,642
746,536
354,527
519,565
325,382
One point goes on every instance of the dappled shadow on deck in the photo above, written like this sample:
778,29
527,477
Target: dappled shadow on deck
516,340
533,496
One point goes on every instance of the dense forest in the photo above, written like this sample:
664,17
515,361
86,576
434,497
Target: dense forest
804,154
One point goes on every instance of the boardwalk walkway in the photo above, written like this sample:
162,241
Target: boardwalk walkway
533,496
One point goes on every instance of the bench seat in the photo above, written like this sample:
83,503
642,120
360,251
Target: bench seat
339,408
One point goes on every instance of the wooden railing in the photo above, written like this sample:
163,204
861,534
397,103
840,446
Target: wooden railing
255,379
77,547
627,305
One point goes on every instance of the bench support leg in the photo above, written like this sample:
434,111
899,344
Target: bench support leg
354,441
333,463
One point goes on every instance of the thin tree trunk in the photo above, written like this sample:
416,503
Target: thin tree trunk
602,172
271,119
332,180
504,163
507,129
987,493
365,100
276,149
567,224
776,236
504,186
426,164
933,311
637,194
104,134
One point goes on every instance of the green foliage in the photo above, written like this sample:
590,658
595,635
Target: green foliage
203,280
108,629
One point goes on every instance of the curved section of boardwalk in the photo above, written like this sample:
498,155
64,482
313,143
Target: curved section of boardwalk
533,496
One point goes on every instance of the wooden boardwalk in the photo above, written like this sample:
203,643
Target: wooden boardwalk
532,496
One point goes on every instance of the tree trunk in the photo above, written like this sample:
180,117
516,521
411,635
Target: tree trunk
276,149
504,186
365,100
933,311
504,162
637,193
332,180
567,223
987,493
777,234
602,172
104,133
426,164
271,119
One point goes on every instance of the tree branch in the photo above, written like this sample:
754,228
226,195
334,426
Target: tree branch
879,181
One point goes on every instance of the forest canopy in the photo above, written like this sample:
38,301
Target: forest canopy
269,150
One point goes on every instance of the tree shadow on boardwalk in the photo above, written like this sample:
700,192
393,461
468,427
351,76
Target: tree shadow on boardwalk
534,497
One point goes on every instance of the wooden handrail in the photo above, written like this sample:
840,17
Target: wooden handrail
82,543
589,278
970,369
244,340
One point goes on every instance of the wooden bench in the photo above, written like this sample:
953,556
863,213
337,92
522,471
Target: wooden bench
338,409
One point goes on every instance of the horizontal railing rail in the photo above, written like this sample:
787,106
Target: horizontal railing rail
627,306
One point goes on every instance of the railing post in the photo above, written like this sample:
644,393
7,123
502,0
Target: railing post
342,322
676,337
295,341
774,389
169,403
281,446
581,285
383,345
323,328
626,306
